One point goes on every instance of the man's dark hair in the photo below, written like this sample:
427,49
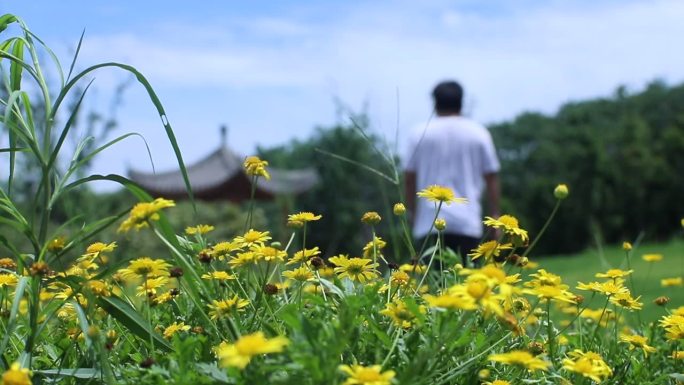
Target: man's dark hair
448,97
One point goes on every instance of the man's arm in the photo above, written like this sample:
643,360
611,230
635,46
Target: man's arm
410,194
493,194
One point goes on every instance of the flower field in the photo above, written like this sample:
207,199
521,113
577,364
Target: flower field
254,310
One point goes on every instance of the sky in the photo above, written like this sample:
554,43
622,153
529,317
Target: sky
272,71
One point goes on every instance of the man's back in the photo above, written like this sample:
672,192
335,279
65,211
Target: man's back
455,152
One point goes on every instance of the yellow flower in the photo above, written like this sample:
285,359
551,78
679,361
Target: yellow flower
400,278
399,209
56,244
144,212
521,358
411,268
625,300
150,286
509,225
145,267
8,280
243,259
674,326
357,269
667,282
544,278
652,257
253,238
637,341
301,274
588,364
678,355
268,253
614,273
222,249
498,382
556,293
256,167
400,313
175,328
304,255
221,308
489,249
199,229
442,194
99,288
16,375
373,246
98,247
240,354
371,218
626,246
606,288
367,375
299,219
449,301
218,276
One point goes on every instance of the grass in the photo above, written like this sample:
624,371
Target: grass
646,276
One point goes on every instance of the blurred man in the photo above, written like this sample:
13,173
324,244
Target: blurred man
456,152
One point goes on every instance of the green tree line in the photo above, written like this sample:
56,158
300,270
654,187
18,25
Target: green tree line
622,157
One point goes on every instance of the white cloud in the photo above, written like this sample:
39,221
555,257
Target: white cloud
532,58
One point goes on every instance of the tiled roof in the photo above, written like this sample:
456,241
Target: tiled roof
219,167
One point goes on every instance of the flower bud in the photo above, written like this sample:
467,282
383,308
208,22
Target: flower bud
561,192
7,264
317,262
626,246
40,269
270,289
176,272
440,224
204,256
371,218
400,209
93,331
536,348
147,363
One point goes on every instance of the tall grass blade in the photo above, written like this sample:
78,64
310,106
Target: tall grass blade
131,319
155,100
12,321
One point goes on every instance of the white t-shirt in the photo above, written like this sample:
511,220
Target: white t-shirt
454,152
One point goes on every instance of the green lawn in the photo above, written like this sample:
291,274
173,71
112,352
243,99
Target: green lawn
646,276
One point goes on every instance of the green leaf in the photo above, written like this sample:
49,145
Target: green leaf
81,373
6,20
215,373
132,320
15,67
155,100
12,323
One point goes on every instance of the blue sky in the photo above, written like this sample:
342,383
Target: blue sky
272,70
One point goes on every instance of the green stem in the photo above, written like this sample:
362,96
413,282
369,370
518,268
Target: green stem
543,229
248,222
427,236
394,345
549,330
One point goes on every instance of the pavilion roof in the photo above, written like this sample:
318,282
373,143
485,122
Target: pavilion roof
219,169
